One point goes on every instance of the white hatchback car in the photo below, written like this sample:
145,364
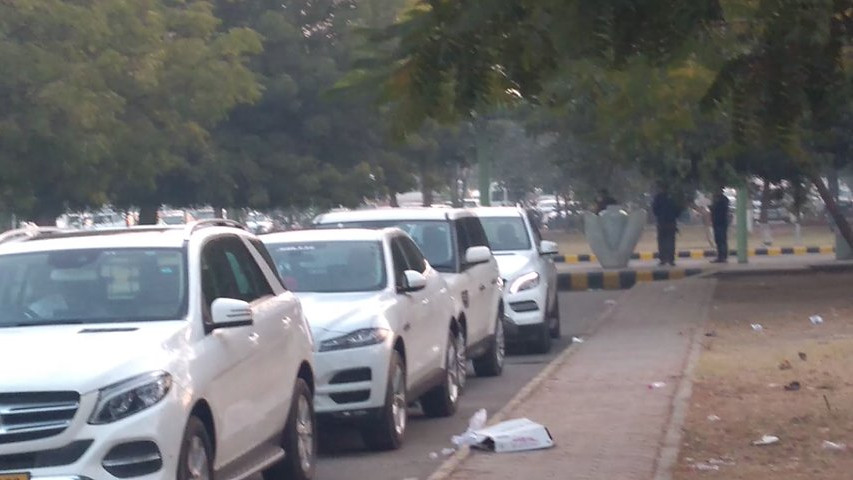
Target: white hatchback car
454,243
151,353
527,266
383,321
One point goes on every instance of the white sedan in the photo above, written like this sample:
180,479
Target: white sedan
527,267
383,323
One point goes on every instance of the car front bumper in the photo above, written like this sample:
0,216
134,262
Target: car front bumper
154,433
351,383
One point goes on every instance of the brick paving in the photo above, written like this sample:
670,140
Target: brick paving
606,421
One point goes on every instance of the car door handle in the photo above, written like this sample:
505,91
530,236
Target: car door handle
482,287
425,301
253,337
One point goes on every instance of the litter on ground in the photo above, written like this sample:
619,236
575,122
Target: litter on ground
577,340
816,319
655,385
838,447
766,440
713,418
757,327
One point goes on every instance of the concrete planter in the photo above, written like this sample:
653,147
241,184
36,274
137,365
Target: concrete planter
613,234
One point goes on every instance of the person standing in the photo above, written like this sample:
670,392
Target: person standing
720,221
604,200
666,212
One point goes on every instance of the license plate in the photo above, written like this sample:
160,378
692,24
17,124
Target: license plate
14,476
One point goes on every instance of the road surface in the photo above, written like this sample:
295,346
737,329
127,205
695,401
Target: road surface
343,456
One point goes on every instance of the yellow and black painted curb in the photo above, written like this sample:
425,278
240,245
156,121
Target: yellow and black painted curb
700,254
619,279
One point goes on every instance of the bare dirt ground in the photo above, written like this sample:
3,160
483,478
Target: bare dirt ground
696,237
739,393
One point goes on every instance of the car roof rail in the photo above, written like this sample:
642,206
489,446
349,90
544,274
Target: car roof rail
192,227
26,233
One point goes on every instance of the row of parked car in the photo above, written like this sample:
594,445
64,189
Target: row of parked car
204,351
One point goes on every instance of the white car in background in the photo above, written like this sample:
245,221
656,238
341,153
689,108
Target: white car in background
530,276
153,353
383,321
454,243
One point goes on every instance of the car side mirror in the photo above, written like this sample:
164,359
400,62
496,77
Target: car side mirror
548,248
413,281
229,313
475,255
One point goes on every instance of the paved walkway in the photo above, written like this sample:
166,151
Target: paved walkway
608,424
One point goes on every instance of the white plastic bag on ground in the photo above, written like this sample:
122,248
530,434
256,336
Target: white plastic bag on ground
514,436
766,440
840,447
816,319
477,421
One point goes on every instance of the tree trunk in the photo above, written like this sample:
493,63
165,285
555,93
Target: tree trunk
392,199
148,215
832,208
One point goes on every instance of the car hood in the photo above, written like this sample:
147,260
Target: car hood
334,314
512,264
85,358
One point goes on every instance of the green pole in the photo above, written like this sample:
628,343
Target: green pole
484,166
742,246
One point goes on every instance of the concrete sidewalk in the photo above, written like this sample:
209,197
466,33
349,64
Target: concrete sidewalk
608,424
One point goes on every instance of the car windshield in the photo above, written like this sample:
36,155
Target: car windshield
432,237
330,267
92,286
506,233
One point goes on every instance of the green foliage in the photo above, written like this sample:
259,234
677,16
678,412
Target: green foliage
100,101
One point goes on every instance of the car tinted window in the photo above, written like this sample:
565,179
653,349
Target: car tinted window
506,233
332,266
401,264
462,239
92,286
230,271
476,234
413,254
433,237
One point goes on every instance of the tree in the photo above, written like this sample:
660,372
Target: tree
100,100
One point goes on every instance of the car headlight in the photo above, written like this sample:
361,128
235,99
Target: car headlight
524,282
358,338
130,396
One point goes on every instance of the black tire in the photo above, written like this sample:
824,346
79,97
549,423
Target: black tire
195,432
556,330
491,363
443,400
384,434
299,463
542,342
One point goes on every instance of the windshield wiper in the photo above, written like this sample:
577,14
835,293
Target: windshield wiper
42,323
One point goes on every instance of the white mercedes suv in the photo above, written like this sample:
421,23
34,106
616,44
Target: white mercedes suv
384,326
455,244
527,267
151,353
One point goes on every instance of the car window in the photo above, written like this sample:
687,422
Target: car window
92,286
462,239
433,237
476,234
330,266
401,264
506,233
230,271
534,227
413,254
265,254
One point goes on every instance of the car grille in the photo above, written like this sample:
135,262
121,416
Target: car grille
35,415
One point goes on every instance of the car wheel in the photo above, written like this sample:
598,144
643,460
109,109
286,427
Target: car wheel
461,360
388,432
196,460
491,364
556,330
442,401
542,341
300,440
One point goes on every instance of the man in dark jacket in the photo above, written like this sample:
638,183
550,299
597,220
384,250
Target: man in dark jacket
666,212
720,221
